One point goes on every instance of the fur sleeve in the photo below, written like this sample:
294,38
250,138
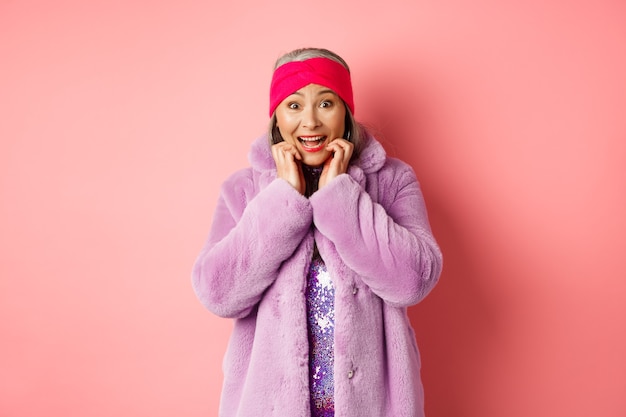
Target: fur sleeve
389,242
251,235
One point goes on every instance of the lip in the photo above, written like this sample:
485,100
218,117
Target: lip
322,145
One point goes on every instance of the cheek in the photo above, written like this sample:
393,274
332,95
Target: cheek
338,122
285,130
282,114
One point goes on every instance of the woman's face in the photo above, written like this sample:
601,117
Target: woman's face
310,119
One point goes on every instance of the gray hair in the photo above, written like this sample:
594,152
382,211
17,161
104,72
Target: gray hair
355,132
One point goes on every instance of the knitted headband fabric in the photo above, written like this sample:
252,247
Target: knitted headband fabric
292,76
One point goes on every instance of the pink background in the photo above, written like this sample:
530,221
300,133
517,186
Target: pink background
119,120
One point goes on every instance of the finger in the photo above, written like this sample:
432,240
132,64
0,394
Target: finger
285,152
348,147
341,144
342,154
288,148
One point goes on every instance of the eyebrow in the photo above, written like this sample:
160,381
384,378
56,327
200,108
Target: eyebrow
327,91
319,94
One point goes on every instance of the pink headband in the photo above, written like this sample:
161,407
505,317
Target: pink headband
292,76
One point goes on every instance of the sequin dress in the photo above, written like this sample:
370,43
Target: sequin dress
320,296
320,303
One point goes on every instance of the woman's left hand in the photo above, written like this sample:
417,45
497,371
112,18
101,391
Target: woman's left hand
338,162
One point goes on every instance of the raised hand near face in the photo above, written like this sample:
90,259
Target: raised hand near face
341,152
288,159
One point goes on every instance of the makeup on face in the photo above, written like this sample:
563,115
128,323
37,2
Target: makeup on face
310,119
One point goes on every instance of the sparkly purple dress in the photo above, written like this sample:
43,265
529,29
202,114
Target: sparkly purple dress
320,296
320,303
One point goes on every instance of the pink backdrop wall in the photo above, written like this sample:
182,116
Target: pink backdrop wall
119,120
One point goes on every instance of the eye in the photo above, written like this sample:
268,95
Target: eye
326,103
293,105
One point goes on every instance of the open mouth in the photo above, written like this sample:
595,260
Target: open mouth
312,143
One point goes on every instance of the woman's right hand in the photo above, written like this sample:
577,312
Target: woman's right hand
287,159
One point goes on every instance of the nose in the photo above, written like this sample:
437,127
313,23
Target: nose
310,118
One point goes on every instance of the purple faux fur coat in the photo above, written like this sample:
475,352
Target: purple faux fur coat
372,231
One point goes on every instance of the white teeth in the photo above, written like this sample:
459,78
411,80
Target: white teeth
311,139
